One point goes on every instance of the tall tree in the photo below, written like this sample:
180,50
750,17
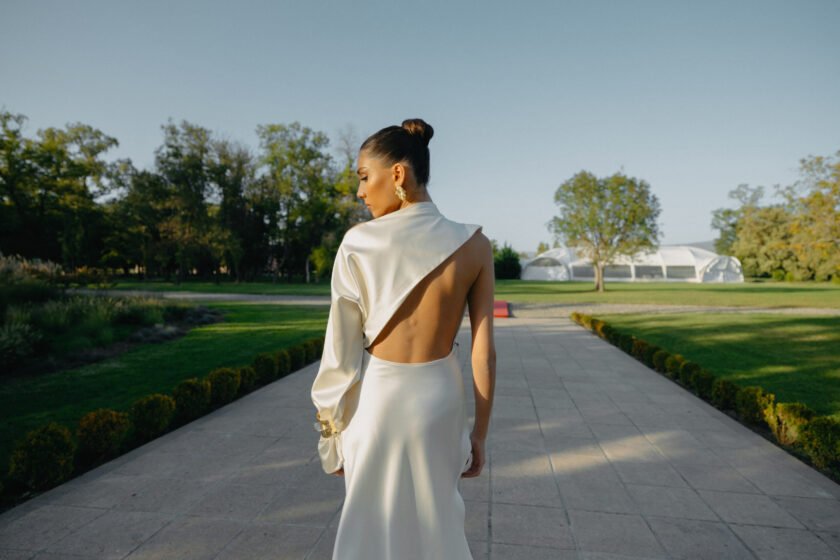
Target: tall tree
725,220
232,171
301,174
49,187
606,217
815,225
183,161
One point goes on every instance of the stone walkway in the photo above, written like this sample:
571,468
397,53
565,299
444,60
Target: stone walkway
592,456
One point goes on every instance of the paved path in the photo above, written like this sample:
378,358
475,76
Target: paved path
593,456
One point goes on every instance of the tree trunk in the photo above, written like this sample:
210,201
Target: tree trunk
599,277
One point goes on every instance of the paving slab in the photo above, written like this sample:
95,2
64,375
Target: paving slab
591,456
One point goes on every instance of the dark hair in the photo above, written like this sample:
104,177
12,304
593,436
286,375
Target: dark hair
409,142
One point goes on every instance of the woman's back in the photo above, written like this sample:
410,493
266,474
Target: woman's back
425,325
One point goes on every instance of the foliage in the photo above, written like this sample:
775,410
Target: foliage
151,415
192,399
44,457
754,405
266,367
796,239
724,394
247,379
821,440
224,385
787,420
208,207
506,262
101,434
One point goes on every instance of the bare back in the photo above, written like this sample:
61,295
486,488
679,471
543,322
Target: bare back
425,325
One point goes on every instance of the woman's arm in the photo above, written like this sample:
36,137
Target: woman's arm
341,361
480,299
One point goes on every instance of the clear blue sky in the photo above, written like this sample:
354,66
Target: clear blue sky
693,97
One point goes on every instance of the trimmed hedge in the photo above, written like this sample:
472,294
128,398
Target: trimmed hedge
754,405
821,440
224,385
49,455
791,424
151,416
724,393
101,434
787,420
43,458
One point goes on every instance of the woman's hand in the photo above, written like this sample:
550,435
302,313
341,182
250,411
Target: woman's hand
339,472
478,455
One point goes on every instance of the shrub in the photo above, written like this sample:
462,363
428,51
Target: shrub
247,379
753,405
627,341
586,320
788,419
224,385
687,371
821,440
575,316
152,415
614,336
607,332
311,350
266,367
296,357
702,383
18,341
138,311
595,325
650,351
659,358
284,362
192,398
101,434
43,458
673,365
724,393
639,348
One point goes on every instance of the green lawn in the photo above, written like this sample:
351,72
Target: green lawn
65,396
796,357
758,294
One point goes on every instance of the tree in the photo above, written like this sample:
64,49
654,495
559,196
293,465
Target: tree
607,217
762,240
302,177
796,239
184,162
506,262
48,190
725,220
815,224
542,247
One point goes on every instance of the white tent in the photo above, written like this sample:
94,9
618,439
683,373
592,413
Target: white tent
668,263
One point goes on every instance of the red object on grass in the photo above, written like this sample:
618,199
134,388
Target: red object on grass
500,308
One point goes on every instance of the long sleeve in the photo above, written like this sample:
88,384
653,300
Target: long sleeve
341,361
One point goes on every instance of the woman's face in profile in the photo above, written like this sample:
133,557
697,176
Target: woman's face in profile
377,184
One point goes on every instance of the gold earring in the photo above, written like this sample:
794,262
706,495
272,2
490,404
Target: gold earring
401,192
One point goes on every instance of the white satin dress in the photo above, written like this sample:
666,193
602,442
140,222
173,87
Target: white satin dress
400,430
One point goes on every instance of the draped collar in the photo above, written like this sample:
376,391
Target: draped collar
389,255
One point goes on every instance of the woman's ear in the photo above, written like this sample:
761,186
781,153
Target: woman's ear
399,174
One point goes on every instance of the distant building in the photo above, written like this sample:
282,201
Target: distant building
668,263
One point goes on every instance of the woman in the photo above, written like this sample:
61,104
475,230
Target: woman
389,393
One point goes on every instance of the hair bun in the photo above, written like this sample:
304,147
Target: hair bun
419,128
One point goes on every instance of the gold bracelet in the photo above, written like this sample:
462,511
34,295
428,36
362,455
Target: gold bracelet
325,427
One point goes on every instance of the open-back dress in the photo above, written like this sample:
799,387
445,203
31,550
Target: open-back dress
400,430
